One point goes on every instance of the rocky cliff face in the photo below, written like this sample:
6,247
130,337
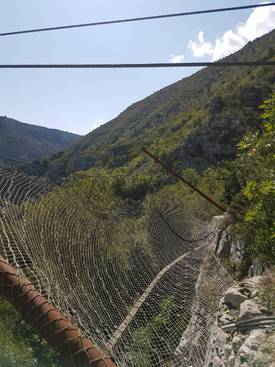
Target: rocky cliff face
243,334
232,321
213,280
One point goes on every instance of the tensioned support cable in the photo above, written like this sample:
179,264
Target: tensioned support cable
134,310
137,19
178,176
138,65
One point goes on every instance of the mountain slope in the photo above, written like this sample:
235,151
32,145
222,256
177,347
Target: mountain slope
25,143
197,121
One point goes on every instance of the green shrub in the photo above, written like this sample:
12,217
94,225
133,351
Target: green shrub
20,345
254,205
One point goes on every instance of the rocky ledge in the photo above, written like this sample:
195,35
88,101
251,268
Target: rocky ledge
243,335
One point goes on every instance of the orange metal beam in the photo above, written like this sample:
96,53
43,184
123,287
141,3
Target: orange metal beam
49,322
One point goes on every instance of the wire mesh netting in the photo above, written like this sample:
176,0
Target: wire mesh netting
129,273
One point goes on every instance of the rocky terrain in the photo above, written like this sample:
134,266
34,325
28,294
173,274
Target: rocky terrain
250,339
233,321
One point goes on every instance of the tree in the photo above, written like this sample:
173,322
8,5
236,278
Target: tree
256,200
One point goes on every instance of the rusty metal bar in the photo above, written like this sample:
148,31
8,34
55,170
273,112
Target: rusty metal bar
48,321
175,174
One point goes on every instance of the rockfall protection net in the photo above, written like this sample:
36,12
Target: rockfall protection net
129,273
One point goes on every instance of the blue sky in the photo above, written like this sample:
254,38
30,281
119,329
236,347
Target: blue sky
80,100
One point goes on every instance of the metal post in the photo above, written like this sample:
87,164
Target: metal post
175,174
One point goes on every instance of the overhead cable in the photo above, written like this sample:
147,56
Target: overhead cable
137,19
138,65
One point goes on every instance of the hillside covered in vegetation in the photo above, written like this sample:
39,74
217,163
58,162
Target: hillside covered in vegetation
26,143
210,127
195,122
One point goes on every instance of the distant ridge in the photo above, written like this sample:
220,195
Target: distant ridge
26,143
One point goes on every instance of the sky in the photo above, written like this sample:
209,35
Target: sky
81,100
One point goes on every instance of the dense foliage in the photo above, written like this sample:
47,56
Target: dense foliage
166,323
253,177
20,345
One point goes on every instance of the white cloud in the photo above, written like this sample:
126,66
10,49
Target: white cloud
201,47
176,58
260,21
